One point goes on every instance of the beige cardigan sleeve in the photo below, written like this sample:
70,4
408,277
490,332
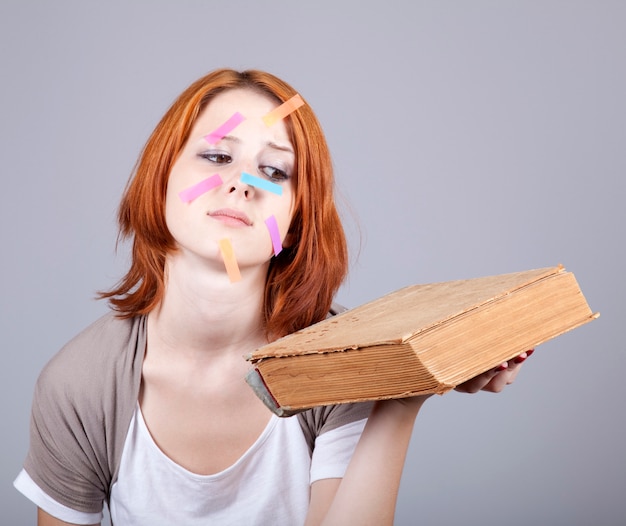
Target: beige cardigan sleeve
82,406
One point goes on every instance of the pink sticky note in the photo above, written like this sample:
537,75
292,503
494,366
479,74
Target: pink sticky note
272,226
218,134
189,194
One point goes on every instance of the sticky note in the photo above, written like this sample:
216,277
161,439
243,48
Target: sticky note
283,110
189,194
230,262
272,226
264,184
218,134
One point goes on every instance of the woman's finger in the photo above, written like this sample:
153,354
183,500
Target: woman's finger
496,379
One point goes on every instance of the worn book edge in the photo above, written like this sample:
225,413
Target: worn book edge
257,383
284,348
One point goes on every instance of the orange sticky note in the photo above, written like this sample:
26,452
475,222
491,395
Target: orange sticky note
283,110
230,262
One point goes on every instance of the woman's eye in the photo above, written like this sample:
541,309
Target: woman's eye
217,158
274,174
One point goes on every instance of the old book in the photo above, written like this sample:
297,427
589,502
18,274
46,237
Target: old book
420,339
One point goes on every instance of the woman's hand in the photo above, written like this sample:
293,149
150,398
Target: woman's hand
495,379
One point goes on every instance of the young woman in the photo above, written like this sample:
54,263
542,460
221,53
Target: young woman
236,242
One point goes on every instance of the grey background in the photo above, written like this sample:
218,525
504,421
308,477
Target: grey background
469,138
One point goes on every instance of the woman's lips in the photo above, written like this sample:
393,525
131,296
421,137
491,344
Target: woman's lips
231,217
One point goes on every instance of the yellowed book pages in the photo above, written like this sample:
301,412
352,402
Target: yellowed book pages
420,339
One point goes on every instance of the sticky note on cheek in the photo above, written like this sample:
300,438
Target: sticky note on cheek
287,107
272,226
191,193
230,262
220,132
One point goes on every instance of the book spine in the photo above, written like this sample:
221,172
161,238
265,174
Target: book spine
255,381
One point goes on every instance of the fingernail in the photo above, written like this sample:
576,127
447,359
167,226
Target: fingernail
519,359
529,352
501,367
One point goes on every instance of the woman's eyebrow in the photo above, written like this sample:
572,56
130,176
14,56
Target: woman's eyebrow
270,144
217,134
231,138
282,148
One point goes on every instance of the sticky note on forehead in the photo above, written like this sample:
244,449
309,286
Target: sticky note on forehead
220,132
230,262
287,107
246,178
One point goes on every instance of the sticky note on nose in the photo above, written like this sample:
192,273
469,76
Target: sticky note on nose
261,183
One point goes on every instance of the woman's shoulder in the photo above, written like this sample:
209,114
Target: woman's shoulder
110,330
109,347
319,420
82,406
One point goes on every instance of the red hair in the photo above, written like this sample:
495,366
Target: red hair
303,279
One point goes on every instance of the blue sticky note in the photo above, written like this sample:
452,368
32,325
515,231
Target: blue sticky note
261,183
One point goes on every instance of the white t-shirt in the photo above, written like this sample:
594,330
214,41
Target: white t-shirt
88,445
268,485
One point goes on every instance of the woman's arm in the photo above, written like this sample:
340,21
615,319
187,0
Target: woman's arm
368,492
45,519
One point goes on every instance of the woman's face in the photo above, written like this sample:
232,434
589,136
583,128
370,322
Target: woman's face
235,207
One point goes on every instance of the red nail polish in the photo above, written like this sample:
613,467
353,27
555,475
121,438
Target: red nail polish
518,359
529,352
501,368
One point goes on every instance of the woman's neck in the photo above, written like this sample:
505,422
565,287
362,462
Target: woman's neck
204,314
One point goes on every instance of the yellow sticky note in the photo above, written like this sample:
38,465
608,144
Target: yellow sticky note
230,262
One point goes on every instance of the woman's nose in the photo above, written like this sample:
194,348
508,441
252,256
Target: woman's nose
235,185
